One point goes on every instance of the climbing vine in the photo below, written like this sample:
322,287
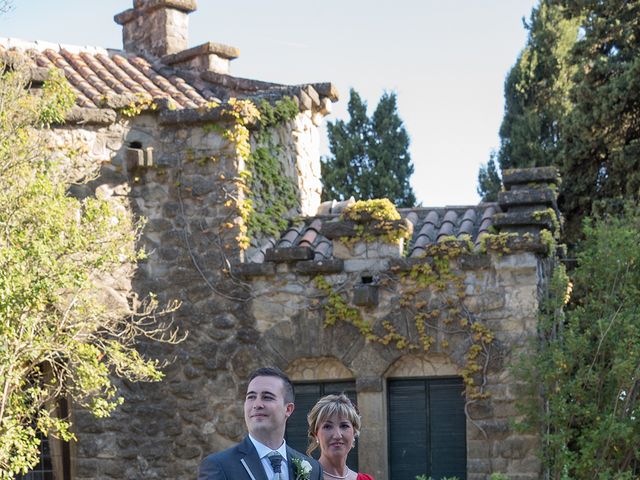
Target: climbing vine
374,220
268,193
138,105
430,296
273,193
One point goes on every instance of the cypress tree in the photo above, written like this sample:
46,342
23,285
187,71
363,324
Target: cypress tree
369,156
601,147
536,92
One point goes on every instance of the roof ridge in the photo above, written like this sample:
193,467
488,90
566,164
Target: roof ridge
41,46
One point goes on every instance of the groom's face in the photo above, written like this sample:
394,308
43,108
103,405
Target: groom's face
265,409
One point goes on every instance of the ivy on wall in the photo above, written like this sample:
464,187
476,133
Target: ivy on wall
430,296
380,214
269,194
272,193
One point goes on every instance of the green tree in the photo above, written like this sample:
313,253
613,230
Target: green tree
573,100
489,182
588,365
601,135
536,94
342,175
58,336
370,156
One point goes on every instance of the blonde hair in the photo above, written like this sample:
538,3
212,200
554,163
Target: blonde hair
327,407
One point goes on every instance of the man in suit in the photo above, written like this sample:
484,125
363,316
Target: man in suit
263,454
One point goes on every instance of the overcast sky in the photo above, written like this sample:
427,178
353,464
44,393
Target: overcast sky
445,59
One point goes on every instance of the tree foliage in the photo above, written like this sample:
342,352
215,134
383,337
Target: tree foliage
573,100
588,364
536,95
489,182
60,335
370,156
601,134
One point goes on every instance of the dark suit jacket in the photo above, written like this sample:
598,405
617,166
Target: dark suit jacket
229,465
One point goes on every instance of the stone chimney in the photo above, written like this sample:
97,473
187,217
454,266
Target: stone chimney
156,27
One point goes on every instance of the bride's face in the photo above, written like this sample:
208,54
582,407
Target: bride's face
336,436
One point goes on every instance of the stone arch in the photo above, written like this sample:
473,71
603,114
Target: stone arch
318,368
422,365
303,336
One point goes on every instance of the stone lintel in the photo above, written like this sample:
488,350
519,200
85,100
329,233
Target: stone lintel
347,228
306,94
289,254
327,89
191,116
208,48
90,116
406,264
474,262
369,384
312,267
519,198
517,243
122,100
312,93
540,218
254,269
141,7
238,83
305,101
518,176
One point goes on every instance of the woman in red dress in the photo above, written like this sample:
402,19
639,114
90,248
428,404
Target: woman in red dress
334,424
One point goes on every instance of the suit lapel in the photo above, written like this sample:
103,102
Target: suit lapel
291,454
250,457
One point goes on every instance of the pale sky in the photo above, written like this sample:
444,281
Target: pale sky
445,59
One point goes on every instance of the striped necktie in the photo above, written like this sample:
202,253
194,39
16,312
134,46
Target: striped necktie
276,462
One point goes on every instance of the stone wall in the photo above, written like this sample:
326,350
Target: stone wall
191,171
501,292
179,176
156,27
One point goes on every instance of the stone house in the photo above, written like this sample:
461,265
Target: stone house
405,313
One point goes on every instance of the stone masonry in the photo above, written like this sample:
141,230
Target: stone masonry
148,135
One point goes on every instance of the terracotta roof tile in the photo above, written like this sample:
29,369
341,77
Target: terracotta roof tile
486,222
112,78
310,235
113,70
467,224
77,81
430,226
289,238
323,250
434,225
258,255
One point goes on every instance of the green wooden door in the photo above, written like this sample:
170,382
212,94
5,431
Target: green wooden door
307,394
427,428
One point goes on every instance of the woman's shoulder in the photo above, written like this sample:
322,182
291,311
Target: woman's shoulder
364,476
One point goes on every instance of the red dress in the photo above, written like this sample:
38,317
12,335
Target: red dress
364,476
